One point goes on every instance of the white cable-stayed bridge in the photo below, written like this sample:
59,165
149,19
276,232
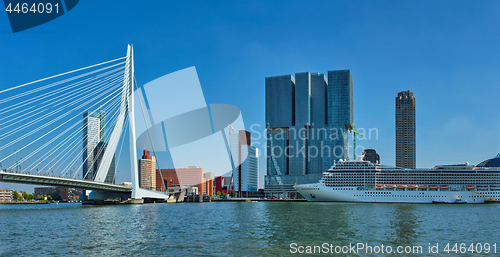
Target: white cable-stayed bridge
69,130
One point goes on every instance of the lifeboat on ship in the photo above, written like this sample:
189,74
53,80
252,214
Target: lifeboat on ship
482,187
470,187
431,187
442,187
380,186
422,187
412,186
495,187
389,186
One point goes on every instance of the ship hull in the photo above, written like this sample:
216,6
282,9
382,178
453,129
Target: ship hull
317,192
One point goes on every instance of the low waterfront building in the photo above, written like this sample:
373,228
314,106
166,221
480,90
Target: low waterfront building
191,176
5,195
207,187
51,191
222,185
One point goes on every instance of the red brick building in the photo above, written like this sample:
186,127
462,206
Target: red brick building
207,187
179,177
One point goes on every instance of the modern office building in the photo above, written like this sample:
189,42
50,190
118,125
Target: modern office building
93,133
147,171
306,117
405,130
98,154
245,161
371,155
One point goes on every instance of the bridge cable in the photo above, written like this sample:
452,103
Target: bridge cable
56,102
113,118
54,149
55,84
78,122
30,133
36,81
117,112
149,134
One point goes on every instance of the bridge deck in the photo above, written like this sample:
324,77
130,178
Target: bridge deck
24,178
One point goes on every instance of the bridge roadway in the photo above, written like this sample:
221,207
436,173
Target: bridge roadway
26,178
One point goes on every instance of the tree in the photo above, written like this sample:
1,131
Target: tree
15,195
224,195
25,195
217,194
233,193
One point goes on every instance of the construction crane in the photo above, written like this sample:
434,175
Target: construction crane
354,133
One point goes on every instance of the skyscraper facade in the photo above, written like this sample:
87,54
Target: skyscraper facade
98,154
405,130
245,159
93,133
147,171
305,121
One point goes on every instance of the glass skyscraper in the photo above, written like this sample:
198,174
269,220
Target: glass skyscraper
98,154
93,133
305,122
245,159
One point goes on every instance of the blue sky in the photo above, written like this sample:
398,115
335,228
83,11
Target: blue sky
446,52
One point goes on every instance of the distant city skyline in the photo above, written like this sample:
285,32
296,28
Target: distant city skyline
446,55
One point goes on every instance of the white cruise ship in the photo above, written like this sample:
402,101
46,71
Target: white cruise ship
363,181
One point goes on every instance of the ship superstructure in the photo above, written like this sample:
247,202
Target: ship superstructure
362,181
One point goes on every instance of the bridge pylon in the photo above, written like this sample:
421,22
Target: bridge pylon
126,108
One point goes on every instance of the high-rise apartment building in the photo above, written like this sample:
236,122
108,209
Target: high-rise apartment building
147,171
405,130
93,133
245,159
305,121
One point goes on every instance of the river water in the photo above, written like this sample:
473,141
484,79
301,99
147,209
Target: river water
248,229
